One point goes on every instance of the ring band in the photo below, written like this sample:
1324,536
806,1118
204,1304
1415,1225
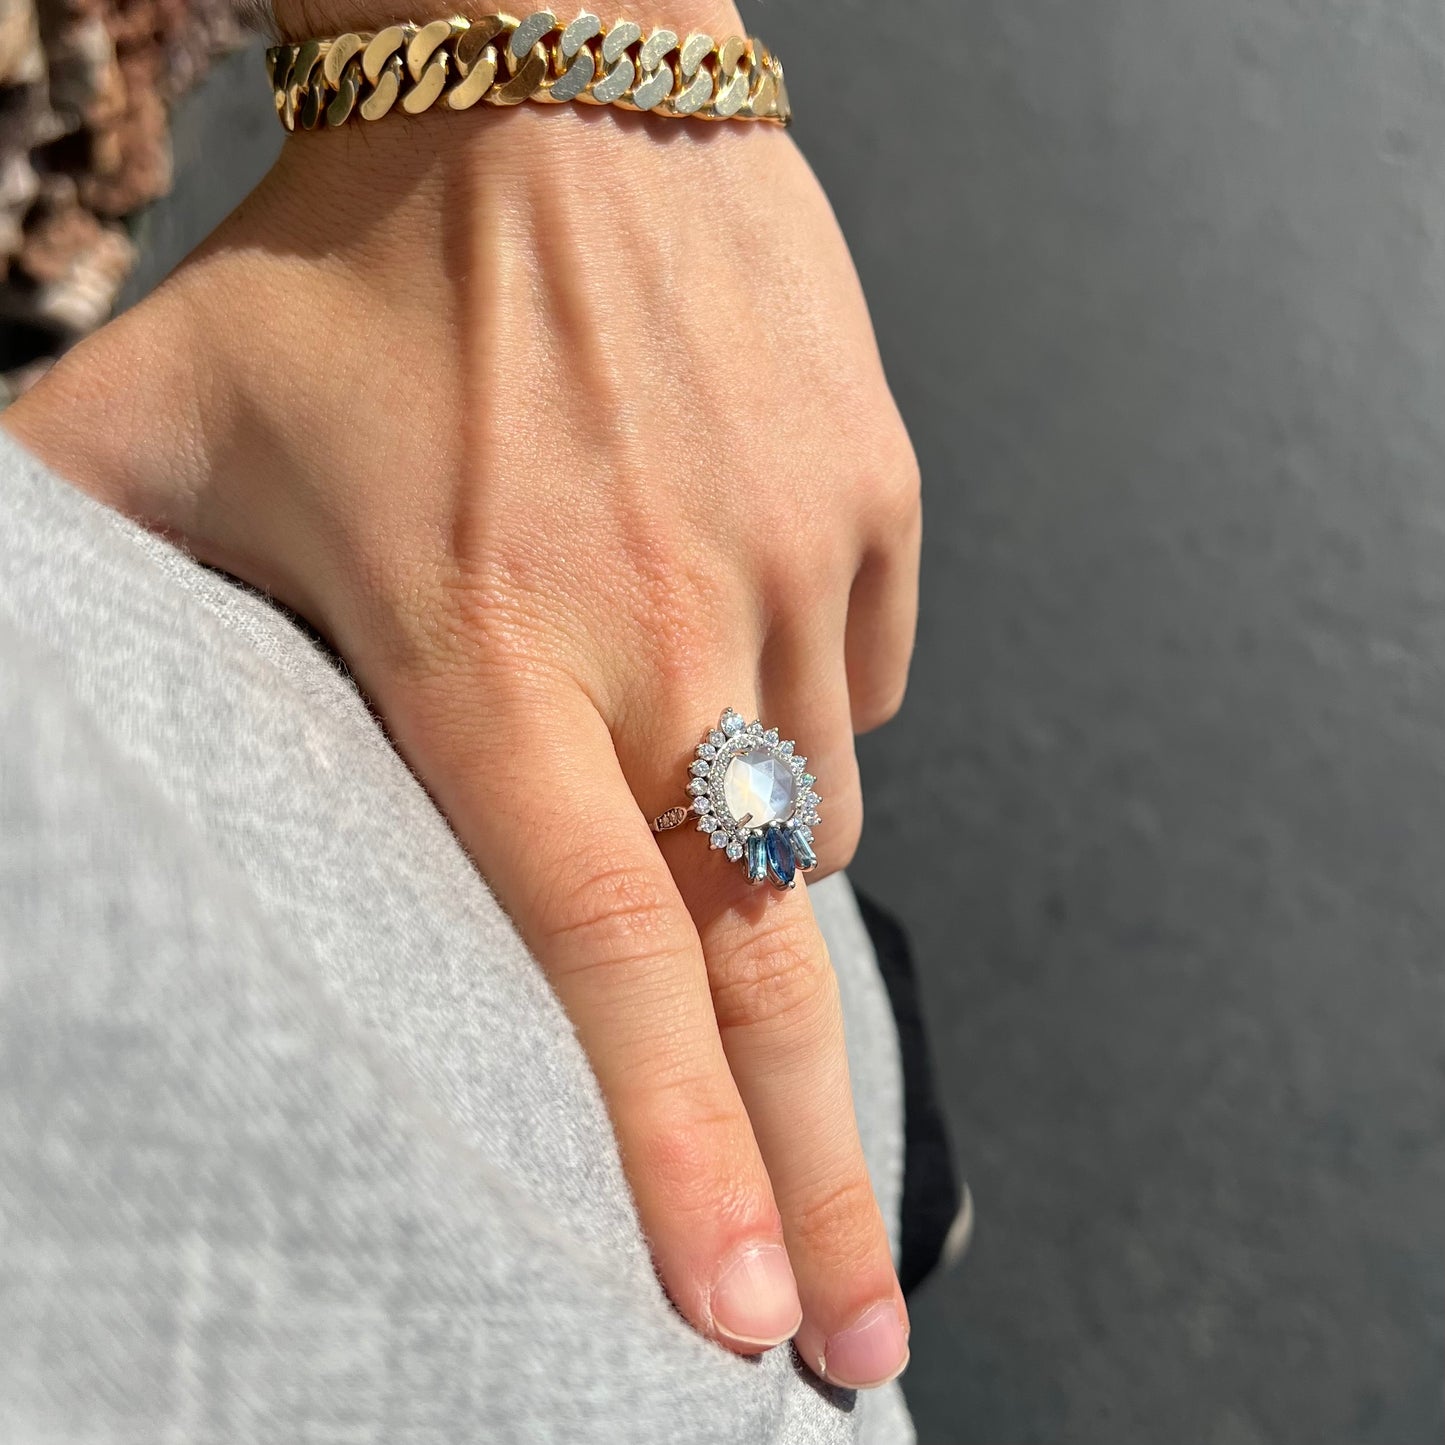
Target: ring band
752,794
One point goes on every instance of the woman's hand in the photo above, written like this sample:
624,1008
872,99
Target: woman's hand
569,430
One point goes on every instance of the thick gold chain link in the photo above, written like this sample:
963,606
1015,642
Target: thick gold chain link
500,60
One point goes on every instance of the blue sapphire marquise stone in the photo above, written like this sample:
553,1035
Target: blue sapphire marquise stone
780,857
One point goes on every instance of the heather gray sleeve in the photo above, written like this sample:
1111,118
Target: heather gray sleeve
295,1143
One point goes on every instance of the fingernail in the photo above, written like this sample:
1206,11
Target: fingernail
870,1352
755,1301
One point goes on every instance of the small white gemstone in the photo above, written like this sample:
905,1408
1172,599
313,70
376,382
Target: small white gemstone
719,839
697,787
731,723
701,805
807,780
786,749
716,738
811,800
735,850
706,824
706,750
699,769
760,787
771,736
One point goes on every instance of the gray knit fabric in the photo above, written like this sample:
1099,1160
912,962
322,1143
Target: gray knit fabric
295,1143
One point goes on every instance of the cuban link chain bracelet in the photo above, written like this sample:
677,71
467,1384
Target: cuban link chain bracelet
456,64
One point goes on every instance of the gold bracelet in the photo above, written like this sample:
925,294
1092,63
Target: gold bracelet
499,60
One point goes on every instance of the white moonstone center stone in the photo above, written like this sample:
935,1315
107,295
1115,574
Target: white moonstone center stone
759,784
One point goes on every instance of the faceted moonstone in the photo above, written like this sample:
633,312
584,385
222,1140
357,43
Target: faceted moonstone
762,785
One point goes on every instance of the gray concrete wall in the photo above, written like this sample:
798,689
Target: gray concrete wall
1161,288
1161,285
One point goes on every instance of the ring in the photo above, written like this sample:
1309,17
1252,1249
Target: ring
753,796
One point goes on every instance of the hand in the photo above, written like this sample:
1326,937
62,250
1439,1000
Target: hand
568,428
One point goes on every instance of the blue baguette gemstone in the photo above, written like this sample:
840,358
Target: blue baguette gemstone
757,859
803,851
780,857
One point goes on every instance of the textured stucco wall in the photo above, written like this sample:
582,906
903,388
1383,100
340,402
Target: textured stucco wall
1161,285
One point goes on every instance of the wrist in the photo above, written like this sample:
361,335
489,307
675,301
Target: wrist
297,20
348,168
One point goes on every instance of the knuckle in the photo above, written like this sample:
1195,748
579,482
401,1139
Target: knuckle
840,1224
674,632
668,625
780,978
451,637
899,453
896,488
881,705
612,918
907,474
691,1174
843,834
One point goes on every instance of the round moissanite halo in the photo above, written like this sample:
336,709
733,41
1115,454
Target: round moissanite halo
753,796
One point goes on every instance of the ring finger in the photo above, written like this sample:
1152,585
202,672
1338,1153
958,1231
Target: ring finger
776,1001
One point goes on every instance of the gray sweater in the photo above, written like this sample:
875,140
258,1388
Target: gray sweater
295,1142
